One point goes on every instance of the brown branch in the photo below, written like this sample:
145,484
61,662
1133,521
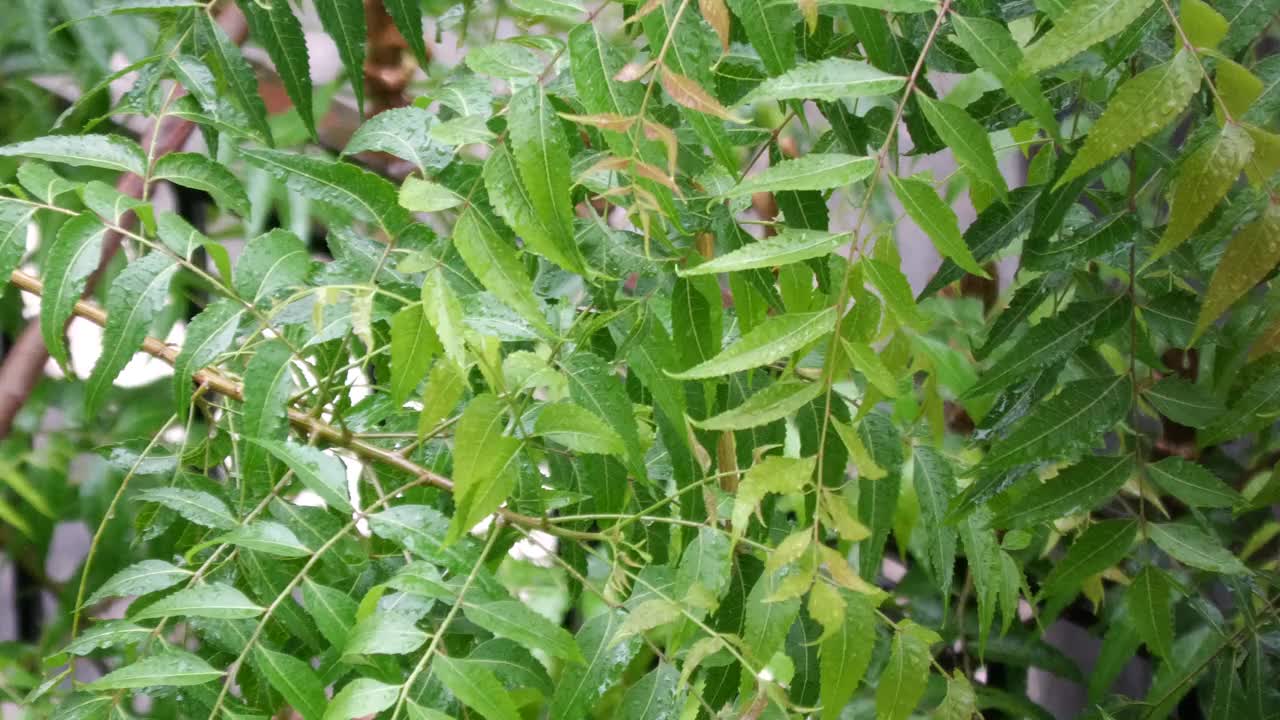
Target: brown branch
308,425
23,364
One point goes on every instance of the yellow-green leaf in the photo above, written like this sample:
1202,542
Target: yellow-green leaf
1203,181
1250,256
1140,108
1085,23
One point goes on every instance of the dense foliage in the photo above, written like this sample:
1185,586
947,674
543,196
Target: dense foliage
543,399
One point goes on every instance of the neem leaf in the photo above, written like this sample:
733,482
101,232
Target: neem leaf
937,219
786,247
772,403
110,152
73,256
1085,23
772,340
812,172
831,79
1203,181
1140,108
1192,483
1250,256
485,470
173,668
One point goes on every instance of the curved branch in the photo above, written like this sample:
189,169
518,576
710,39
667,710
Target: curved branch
309,425
23,364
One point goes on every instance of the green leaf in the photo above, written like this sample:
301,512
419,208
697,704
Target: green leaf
568,10
1150,610
513,620
967,139
578,690
935,485
1192,483
360,698
235,72
210,600
895,291
407,16
172,668
424,196
867,361
73,256
406,133
505,60
996,228
179,236
40,180
595,386
110,152
1203,180
413,345
446,384
490,253
280,33
267,387
1070,421
1250,256
541,156
1084,24
1051,340
1192,546
135,298
1184,402
208,335
693,50
772,403
578,429
903,681
822,171
845,654
105,635
196,506
771,30
295,680
936,219
788,246
1140,108
384,633
1099,547
766,623
333,611
320,472
1078,489
267,537
992,46
594,64
344,21
196,171
832,79
514,666
774,474
960,702
484,471
443,312
656,696
545,236
140,578
14,218
356,192
768,342
475,687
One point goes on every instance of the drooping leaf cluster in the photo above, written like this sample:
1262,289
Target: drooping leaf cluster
594,381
